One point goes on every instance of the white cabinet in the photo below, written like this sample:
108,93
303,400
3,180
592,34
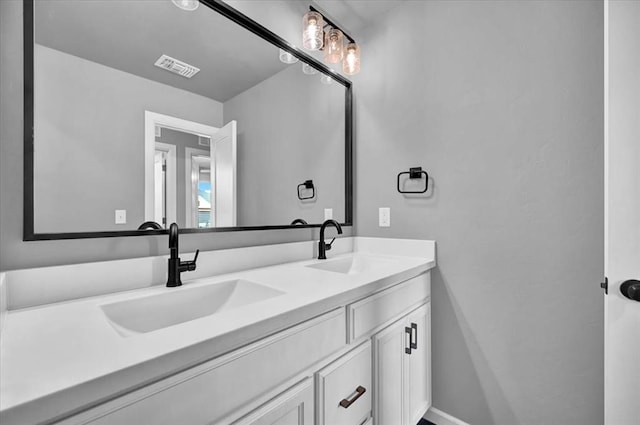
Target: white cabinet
293,407
417,365
223,387
375,312
388,349
402,369
303,375
344,388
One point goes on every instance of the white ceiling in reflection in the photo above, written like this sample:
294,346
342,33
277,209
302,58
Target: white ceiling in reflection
130,35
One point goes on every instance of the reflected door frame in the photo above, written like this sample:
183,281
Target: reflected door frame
168,211
191,179
151,121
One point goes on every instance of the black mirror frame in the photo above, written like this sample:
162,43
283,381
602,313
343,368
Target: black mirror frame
239,18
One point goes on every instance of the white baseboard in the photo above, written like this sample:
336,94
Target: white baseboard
439,417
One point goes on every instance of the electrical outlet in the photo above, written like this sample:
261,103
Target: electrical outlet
384,217
121,216
328,213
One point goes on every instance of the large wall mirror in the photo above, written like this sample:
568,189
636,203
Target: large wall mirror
139,111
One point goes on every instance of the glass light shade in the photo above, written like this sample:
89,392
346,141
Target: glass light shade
189,5
308,69
333,46
326,79
351,61
286,57
312,30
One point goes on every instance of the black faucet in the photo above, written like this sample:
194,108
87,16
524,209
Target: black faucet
175,265
323,247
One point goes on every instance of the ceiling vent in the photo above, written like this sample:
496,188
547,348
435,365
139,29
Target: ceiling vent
176,66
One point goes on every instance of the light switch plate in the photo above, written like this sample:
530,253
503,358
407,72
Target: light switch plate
384,217
121,216
328,213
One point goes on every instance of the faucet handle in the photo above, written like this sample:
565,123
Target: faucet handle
190,266
328,245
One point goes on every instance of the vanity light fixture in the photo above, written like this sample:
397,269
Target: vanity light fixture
333,46
320,33
312,30
351,62
188,5
286,57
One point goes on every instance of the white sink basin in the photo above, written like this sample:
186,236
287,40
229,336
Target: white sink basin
351,265
179,305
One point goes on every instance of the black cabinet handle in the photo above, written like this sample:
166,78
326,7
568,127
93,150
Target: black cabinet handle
414,332
346,402
631,289
408,331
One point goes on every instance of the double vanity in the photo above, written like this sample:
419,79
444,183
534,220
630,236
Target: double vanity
294,340
256,335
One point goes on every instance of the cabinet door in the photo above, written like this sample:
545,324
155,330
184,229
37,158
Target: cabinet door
344,389
388,354
293,407
417,366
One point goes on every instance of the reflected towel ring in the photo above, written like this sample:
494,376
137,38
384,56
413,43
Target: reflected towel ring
307,184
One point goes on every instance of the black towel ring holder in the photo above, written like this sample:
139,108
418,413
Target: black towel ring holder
414,173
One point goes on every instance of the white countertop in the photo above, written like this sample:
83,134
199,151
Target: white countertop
59,358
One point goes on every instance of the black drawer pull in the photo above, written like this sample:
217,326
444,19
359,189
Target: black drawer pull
414,343
346,402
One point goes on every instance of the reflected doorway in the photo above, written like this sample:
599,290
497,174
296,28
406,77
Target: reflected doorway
200,199
190,172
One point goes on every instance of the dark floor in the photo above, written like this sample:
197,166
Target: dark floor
425,422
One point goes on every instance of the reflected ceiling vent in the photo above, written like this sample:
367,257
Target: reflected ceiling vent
204,141
176,66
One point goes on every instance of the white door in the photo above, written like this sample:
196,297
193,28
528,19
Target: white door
388,349
622,211
223,161
164,185
160,179
417,366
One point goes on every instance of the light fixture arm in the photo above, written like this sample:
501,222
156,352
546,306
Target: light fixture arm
330,23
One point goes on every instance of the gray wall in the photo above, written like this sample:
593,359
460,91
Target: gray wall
277,149
89,140
14,253
502,103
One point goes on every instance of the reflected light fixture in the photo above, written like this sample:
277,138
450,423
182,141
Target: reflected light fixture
286,57
308,69
320,33
188,5
326,79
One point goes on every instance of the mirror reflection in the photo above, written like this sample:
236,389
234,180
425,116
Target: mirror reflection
146,112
